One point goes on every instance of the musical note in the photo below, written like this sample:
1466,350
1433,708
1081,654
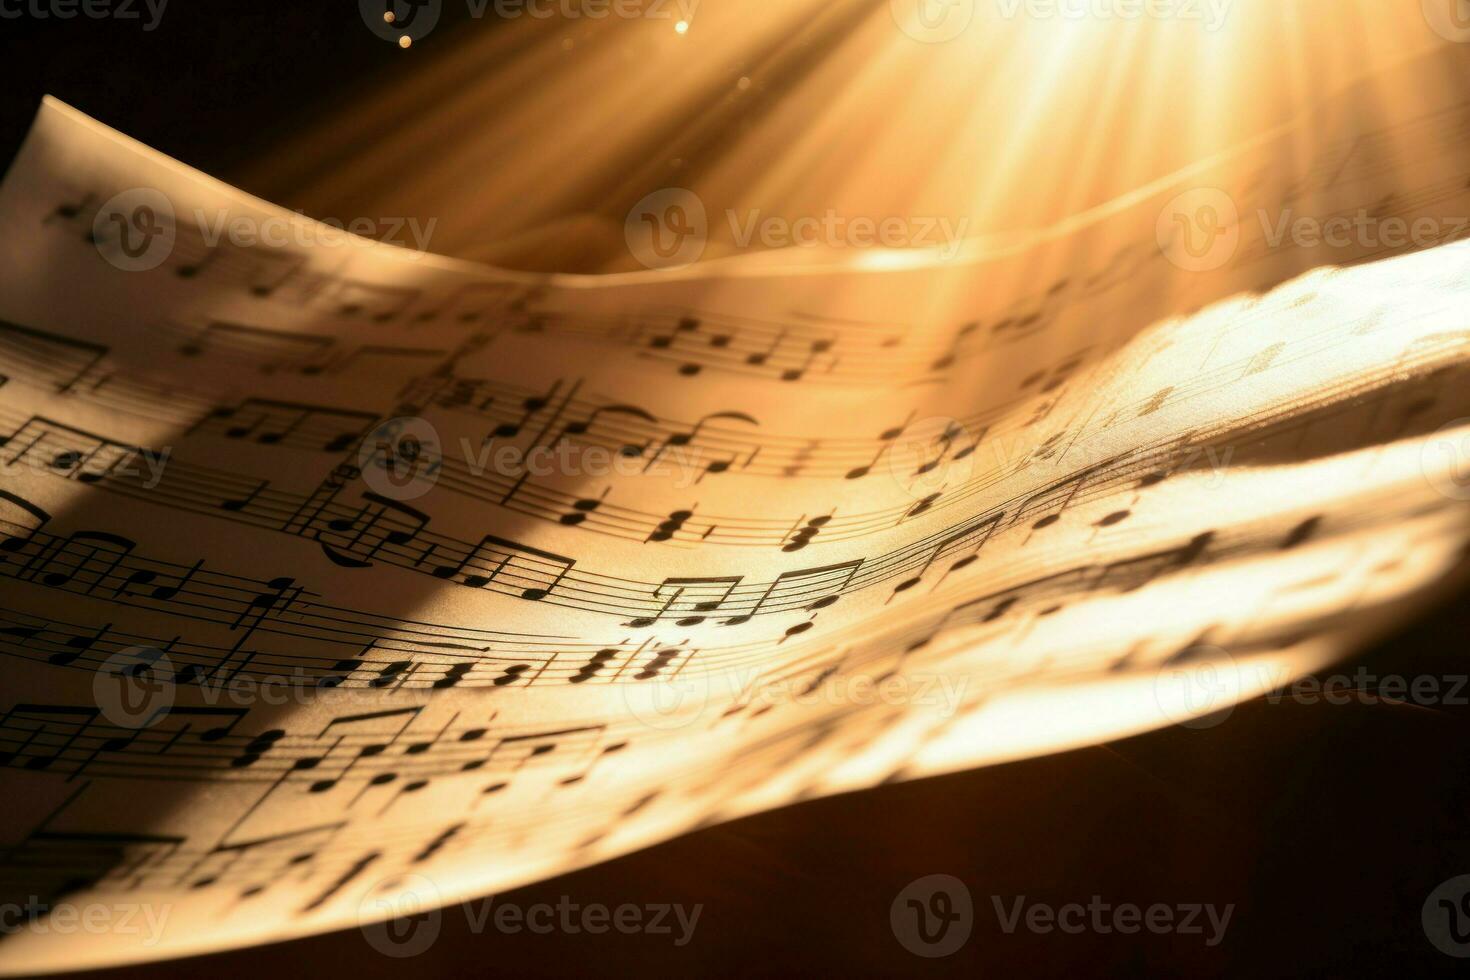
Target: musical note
78,646
271,423
807,588
977,533
269,350
338,712
1046,506
529,408
350,298
473,303
379,523
85,558
531,571
62,361
20,519
681,596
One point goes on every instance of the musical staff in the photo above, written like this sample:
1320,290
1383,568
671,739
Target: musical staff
289,612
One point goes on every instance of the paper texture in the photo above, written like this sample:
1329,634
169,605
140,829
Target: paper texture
340,579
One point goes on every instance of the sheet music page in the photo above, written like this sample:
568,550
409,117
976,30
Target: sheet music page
342,581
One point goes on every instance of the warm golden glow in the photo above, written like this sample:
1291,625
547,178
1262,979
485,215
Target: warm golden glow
993,352
1017,123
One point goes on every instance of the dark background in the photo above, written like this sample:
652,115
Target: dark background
215,85
1326,826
